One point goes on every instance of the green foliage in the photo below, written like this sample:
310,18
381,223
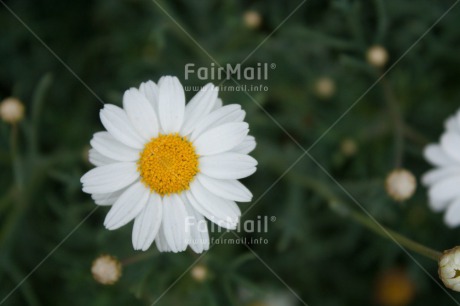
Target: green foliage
322,255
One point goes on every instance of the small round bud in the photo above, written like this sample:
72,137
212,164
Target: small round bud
348,147
401,184
11,110
325,88
252,19
377,56
199,273
449,268
106,270
394,288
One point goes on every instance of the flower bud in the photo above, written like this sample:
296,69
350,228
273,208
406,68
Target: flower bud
348,147
449,268
106,270
324,88
252,19
199,273
11,110
400,184
377,56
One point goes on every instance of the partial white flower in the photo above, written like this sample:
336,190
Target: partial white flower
167,165
444,180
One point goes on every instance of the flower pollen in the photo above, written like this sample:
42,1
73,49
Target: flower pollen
168,164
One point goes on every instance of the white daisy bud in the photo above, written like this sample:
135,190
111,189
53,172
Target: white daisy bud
348,147
324,88
377,56
252,19
199,273
11,110
106,270
400,184
449,268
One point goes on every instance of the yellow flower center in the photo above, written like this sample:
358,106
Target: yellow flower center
168,164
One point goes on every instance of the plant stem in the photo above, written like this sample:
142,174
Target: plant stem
382,20
336,205
396,237
37,106
17,165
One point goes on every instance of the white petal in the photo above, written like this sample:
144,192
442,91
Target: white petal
246,146
445,190
457,117
200,105
452,215
220,219
226,114
450,143
147,223
141,114
227,189
452,125
438,174
188,197
221,139
109,178
435,155
150,91
219,208
197,228
98,159
107,199
437,205
174,218
160,241
127,207
218,104
171,105
117,123
105,144
228,165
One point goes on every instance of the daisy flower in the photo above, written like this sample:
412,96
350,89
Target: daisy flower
444,180
167,165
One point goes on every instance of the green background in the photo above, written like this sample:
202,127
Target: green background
324,256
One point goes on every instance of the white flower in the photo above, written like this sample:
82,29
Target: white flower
444,180
449,268
167,165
